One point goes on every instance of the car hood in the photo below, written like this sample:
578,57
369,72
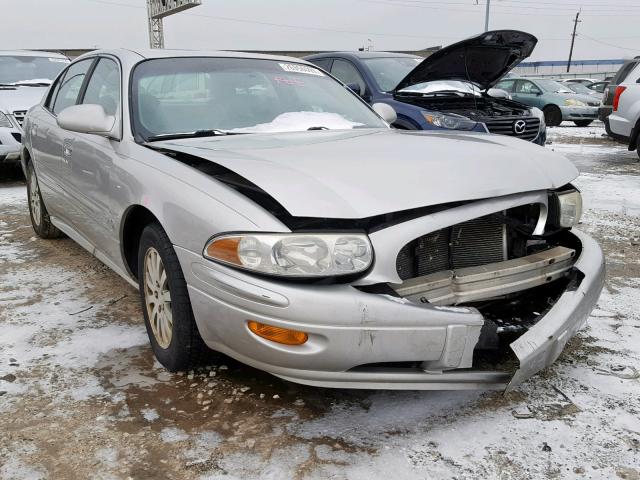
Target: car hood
362,173
483,59
20,98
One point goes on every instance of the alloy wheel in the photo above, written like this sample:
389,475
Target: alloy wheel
34,200
158,298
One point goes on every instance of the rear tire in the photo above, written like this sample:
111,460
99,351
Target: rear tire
552,115
40,220
172,330
583,123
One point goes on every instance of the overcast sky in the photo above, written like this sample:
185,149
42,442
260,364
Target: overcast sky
609,28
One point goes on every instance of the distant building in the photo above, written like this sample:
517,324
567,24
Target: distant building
579,68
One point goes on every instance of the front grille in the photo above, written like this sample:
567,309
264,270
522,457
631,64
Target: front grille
19,116
506,126
477,242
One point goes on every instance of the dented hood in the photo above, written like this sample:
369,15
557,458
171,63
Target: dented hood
482,60
362,173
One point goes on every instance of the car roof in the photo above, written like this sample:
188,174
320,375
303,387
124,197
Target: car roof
173,53
30,53
360,55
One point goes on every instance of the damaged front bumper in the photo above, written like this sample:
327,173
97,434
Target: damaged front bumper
360,339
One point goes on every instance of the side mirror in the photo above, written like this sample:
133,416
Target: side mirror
498,93
355,88
87,119
386,111
537,92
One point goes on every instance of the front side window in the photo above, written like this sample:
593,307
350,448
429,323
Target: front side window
104,86
185,95
389,71
506,85
70,85
347,73
527,87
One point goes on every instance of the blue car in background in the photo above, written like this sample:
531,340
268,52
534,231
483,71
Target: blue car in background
449,90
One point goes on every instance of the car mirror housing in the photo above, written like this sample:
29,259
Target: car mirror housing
386,111
87,118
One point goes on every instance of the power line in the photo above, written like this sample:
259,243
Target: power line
608,44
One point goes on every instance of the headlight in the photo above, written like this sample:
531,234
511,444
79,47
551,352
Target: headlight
4,121
293,254
572,102
536,112
568,205
449,121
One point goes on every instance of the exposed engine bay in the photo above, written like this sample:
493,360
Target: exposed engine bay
474,107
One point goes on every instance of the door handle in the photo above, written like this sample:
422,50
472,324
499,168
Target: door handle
67,148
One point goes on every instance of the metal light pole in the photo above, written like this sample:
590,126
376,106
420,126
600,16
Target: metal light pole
157,10
486,16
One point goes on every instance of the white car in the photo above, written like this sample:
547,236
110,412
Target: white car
24,77
624,122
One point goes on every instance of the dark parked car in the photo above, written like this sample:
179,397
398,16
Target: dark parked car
607,100
448,90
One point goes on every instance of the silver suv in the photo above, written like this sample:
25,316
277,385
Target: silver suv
24,77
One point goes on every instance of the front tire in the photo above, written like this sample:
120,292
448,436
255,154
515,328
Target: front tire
40,220
168,317
552,115
583,123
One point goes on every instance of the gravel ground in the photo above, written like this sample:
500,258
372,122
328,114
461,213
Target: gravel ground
82,397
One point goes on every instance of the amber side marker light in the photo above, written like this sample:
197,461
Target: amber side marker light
277,334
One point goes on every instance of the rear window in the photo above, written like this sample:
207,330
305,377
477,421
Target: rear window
624,72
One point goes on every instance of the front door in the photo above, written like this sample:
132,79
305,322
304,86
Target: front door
89,159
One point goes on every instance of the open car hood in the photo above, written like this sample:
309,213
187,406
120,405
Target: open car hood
482,60
352,174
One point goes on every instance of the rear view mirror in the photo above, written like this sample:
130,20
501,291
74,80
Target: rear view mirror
86,119
386,111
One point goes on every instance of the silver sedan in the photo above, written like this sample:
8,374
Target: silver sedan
266,212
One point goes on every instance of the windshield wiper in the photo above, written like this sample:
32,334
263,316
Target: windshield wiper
194,134
318,128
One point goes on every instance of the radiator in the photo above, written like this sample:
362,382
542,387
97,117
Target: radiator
469,244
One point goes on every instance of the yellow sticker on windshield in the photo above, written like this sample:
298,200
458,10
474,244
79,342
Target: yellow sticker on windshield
298,68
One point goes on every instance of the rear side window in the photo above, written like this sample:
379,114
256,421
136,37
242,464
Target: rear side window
624,72
70,85
104,86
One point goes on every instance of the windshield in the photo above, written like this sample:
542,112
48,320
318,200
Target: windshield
580,88
183,95
23,69
553,86
454,87
388,71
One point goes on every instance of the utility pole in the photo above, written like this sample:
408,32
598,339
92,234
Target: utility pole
156,28
486,16
573,39
157,10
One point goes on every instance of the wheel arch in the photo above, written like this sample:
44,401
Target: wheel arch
134,220
405,123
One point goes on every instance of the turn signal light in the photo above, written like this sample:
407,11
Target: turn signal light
277,334
225,249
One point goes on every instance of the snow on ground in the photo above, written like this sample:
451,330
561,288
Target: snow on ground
81,397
